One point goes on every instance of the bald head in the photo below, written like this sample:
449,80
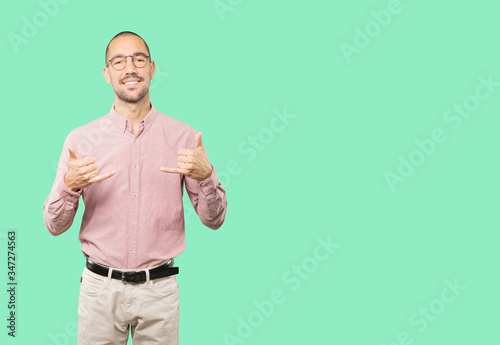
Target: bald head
124,34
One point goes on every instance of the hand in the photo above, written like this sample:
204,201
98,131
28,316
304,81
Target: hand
192,163
82,172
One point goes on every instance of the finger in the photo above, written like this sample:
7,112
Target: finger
88,168
184,165
102,177
184,159
91,174
88,160
72,152
199,144
173,170
185,152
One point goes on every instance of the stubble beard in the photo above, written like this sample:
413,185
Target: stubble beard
126,98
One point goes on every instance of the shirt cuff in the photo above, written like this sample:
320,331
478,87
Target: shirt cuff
208,185
67,194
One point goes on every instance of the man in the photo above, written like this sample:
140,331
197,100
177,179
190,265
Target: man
130,167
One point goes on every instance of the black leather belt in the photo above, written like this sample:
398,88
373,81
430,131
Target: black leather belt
164,270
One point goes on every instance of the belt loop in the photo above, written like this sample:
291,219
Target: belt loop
110,272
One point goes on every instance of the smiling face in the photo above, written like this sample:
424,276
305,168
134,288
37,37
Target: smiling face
131,84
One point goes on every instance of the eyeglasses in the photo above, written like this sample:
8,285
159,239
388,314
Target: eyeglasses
119,62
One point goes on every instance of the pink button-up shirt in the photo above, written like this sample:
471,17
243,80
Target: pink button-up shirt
135,218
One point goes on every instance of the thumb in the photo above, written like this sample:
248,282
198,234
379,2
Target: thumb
72,153
199,144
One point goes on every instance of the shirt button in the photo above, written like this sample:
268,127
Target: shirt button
135,166
136,139
135,195
132,252
134,223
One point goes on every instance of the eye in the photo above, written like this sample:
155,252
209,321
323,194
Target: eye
140,57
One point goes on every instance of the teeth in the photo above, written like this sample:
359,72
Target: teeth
131,82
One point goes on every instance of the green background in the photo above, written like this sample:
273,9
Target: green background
322,176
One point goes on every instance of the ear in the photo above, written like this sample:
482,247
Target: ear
105,71
152,72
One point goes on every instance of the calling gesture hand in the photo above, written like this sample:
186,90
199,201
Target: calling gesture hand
192,163
82,172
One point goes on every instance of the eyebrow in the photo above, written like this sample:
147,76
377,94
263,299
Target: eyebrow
121,55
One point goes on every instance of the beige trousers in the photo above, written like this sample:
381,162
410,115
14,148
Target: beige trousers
108,308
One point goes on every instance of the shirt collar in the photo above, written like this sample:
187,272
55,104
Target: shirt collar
121,122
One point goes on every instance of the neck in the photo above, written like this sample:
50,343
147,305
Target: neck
134,112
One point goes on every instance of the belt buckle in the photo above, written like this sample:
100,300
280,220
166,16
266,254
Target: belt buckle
123,276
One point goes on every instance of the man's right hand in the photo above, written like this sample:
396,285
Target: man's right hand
82,172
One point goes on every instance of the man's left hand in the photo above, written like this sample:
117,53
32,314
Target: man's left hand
192,163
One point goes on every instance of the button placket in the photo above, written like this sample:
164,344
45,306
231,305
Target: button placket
134,200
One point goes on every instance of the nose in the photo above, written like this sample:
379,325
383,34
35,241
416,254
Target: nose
130,67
